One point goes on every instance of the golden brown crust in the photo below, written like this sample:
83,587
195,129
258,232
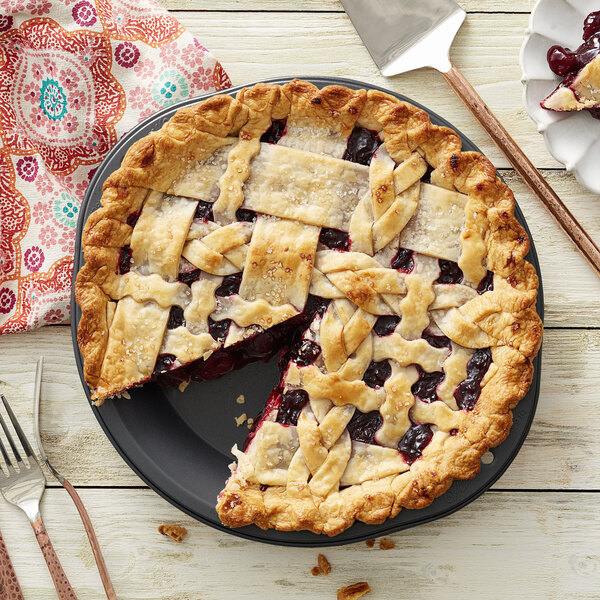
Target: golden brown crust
506,315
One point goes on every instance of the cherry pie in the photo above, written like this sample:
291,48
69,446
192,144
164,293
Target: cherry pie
580,70
342,229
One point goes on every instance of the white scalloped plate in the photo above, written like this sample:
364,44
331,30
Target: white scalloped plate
572,138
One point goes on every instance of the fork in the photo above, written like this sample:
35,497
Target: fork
85,518
24,487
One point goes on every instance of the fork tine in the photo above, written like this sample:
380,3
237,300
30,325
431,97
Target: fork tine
5,455
10,439
20,434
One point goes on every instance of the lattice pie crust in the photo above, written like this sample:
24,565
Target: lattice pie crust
423,339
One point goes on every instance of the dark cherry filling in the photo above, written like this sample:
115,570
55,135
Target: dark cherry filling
453,432
385,325
335,239
189,277
450,272
437,341
163,364
274,133
132,219
404,260
567,63
216,365
230,285
486,284
591,25
316,304
377,373
291,406
259,347
175,317
563,61
414,441
204,210
468,390
362,144
363,426
243,214
305,353
426,386
124,264
219,329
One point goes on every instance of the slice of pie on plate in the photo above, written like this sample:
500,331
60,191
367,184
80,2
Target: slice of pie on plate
580,70
343,229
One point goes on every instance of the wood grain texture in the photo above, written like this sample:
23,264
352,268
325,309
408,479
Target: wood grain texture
486,50
489,6
560,453
499,546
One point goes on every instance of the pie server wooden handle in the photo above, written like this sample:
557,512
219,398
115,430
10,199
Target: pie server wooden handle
523,166
9,586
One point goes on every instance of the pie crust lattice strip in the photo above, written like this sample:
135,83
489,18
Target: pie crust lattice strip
346,230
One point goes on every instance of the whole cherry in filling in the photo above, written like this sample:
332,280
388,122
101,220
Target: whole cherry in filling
437,341
486,284
124,264
292,403
175,317
189,276
274,133
305,353
363,426
204,210
335,239
467,392
377,373
404,260
414,441
362,144
450,272
425,387
385,325
163,364
219,329
243,214
230,285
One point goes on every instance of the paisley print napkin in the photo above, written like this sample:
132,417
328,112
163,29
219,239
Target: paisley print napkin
75,75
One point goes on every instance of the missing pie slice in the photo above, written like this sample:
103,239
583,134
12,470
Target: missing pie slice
342,229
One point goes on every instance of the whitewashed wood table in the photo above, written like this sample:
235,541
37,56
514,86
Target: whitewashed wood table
536,533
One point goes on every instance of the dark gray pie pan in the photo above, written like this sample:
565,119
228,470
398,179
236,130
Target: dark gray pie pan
179,442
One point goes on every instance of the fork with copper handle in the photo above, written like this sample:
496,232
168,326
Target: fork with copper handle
85,518
9,585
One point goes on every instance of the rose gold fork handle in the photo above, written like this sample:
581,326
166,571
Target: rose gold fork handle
89,529
61,583
9,586
523,166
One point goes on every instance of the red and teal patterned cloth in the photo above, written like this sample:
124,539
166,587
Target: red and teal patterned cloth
75,75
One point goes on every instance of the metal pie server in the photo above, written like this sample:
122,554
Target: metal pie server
403,35
85,518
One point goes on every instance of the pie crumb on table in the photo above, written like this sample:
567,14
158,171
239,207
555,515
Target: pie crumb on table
354,591
176,532
324,564
370,543
386,544
240,399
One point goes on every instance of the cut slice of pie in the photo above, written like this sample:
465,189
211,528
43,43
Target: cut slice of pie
344,230
580,70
